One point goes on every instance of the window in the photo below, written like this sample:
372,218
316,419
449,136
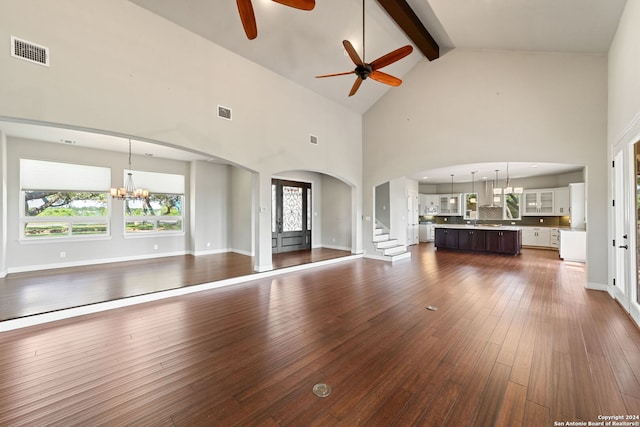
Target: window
162,211
61,200
157,213
511,206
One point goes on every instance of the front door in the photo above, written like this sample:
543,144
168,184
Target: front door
290,219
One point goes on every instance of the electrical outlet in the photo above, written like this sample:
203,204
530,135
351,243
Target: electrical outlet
541,220
155,247
208,244
63,254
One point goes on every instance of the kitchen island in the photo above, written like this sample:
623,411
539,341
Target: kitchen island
497,239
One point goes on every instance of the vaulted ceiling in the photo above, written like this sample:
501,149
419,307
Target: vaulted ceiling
302,44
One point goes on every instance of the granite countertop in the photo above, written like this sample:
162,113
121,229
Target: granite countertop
481,227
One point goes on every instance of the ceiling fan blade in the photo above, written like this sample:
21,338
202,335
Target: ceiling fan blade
392,57
336,74
385,78
356,86
352,53
298,4
248,18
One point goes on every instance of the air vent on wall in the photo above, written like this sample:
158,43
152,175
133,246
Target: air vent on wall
224,112
29,51
313,139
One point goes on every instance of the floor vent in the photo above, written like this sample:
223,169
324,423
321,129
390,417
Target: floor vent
29,51
313,139
224,112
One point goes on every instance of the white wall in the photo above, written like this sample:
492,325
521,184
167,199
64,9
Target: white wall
241,210
119,68
37,255
3,204
398,210
624,113
624,69
336,214
209,201
486,106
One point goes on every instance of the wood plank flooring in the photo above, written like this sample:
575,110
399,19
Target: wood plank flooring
516,341
37,292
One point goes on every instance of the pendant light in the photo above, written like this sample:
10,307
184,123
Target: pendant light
497,191
508,189
452,200
129,191
473,199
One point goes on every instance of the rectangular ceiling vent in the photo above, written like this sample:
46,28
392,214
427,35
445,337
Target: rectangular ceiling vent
224,112
313,139
29,51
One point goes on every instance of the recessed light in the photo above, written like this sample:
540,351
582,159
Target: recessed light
534,166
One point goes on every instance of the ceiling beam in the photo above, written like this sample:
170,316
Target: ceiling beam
408,21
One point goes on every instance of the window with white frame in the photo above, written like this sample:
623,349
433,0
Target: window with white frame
162,211
63,200
512,206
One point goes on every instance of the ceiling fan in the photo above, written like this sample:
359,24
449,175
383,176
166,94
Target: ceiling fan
364,70
248,18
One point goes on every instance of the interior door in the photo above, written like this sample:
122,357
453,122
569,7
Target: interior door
290,216
621,224
412,218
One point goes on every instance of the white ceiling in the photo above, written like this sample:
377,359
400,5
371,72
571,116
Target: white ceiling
299,45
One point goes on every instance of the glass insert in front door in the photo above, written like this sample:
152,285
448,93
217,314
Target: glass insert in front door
290,222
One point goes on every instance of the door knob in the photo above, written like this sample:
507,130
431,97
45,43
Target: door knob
624,247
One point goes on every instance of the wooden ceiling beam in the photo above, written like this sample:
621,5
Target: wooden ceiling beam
408,21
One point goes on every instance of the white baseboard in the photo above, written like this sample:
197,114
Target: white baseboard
634,312
91,262
339,248
377,257
241,252
210,252
599,287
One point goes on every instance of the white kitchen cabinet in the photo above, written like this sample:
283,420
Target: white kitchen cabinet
555,238
450,209
562,201
422,204
536,237
423,229
429,204
427,232
538,202
573,245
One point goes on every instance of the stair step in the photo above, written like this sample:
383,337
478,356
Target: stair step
380,237
386,243
378,231
394,250
399,256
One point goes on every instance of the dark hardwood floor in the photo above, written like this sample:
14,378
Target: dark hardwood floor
29,293
515,341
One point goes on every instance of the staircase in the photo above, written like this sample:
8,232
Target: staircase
390,249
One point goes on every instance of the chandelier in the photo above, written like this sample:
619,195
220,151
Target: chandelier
129,191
